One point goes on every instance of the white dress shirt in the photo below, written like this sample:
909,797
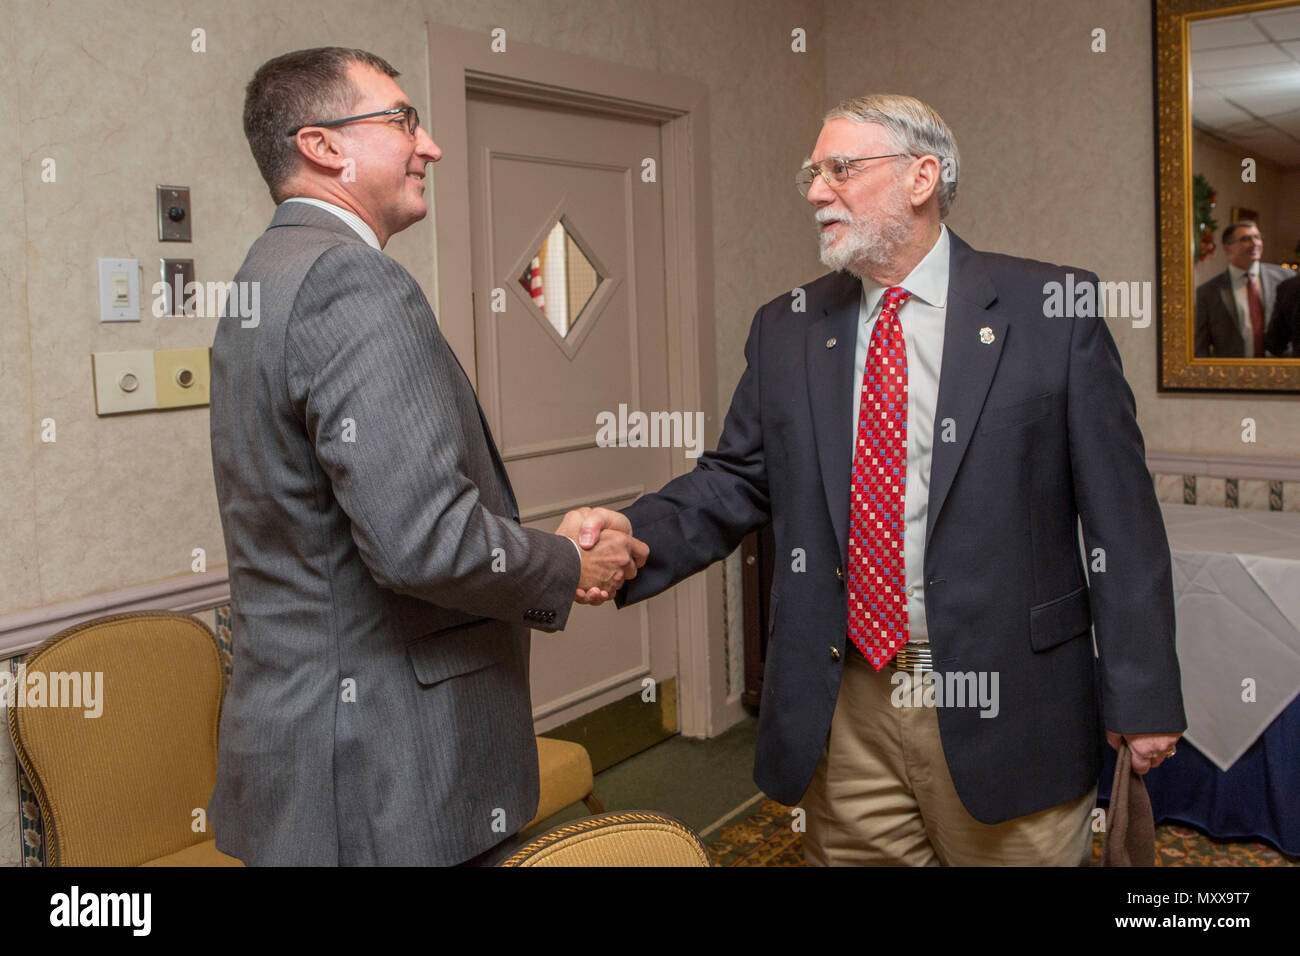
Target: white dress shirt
922,318
352,219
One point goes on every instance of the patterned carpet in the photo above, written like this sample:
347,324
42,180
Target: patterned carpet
761,836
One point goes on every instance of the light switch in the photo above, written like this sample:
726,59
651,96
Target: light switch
119,290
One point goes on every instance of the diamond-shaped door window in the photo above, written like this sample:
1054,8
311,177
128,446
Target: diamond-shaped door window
560,279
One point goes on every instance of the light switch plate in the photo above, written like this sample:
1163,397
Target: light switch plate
183,376
176,275
119,290
124,382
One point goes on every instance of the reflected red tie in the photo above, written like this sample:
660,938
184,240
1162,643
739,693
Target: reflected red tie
1256,314
877,602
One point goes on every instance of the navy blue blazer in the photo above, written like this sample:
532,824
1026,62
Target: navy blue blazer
1045,435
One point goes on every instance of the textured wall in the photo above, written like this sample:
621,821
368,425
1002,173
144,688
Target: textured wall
122,103
1058,160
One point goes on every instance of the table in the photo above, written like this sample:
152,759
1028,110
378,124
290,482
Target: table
1237,602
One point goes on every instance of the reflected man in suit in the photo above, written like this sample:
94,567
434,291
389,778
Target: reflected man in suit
1283,335
925,438
1232,308
382,587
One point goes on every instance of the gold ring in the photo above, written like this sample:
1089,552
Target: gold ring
1171,751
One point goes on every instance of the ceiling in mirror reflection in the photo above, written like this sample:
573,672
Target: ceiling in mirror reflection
1246,82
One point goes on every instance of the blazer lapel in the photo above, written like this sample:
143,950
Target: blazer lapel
966,369
1228,299
830,392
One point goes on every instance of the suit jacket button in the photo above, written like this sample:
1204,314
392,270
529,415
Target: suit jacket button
835,653
839,573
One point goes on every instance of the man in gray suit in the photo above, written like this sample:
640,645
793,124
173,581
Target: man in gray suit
382,588
1232,308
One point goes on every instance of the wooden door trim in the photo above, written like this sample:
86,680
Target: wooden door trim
462,62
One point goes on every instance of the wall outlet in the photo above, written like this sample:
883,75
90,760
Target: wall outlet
124,382
183,376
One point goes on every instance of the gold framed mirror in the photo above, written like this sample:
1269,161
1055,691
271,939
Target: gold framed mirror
1227,97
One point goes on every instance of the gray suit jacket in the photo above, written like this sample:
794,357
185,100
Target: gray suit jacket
381,586
1218,332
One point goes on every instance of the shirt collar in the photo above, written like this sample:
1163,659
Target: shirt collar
352,219
1237,274
927,282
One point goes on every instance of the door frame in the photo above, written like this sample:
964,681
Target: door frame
462,62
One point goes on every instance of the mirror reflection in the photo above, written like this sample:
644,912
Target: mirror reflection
560,279
1245,115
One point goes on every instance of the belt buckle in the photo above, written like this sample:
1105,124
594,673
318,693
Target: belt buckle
915,658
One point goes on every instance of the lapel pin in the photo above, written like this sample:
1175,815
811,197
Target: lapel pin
830,343
986,335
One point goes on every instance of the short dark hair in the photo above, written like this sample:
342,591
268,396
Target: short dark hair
1230,231
292,90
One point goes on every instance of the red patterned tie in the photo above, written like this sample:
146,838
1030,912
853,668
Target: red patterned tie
877,599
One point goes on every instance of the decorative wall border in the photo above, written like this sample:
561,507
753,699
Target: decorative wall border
1223,466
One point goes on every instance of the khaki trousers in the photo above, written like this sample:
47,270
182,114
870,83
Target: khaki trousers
882,795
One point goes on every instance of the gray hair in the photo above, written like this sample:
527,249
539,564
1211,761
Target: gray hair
915,129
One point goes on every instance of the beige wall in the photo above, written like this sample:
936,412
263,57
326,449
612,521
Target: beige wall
1057,149
122,104
1058,160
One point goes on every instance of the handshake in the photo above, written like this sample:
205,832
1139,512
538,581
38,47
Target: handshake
610,555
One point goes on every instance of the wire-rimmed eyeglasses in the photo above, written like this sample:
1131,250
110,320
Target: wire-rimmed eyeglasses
834,170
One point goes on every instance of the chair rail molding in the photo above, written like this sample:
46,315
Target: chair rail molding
23,630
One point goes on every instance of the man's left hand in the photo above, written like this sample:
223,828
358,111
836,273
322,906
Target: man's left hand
1148,750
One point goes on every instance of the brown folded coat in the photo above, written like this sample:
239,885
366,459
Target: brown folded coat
1130,828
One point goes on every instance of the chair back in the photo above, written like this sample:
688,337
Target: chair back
633,838
115,723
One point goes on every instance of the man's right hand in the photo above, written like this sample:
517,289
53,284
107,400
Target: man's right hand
607,564
586,526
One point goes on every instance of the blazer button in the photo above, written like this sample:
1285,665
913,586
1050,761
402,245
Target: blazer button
839,573
835,653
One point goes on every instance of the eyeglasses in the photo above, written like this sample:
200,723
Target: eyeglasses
412,119
836,172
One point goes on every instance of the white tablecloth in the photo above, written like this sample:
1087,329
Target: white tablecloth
1237,601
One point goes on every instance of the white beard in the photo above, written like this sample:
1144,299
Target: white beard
868,246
